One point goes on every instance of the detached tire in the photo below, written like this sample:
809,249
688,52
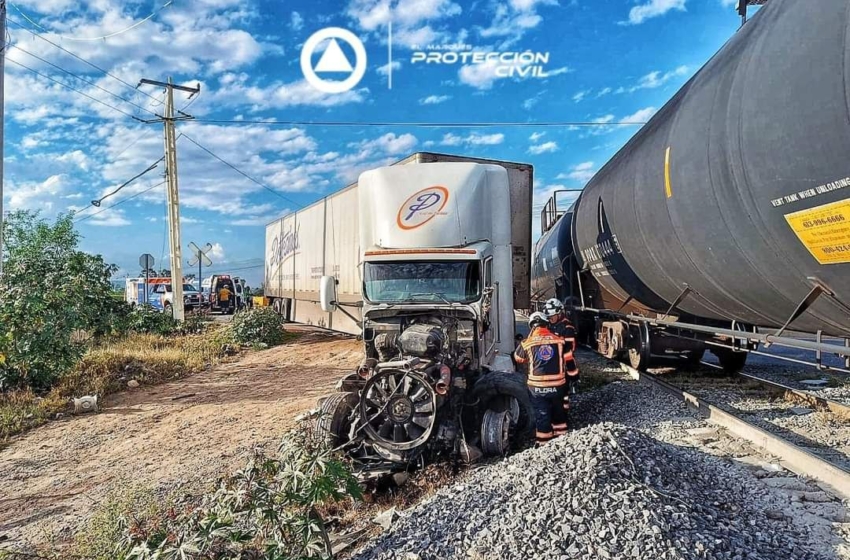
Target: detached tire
495,390
168,310
335,418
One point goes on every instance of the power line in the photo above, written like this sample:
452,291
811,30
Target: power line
151,167
138,23
425,125
233,167
85,80
45,76
122,201
78,57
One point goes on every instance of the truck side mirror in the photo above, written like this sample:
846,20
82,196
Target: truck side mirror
327,294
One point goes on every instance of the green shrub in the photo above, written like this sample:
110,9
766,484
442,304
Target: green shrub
145,319
266,510
53,295
258,325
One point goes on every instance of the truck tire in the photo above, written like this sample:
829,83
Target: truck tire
335,418
168,310
496,433
494,391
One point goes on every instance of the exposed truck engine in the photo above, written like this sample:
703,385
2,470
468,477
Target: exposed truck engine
437,321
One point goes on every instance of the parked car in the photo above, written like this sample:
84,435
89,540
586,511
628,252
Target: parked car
161,297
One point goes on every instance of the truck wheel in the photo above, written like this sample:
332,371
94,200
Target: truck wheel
502,391
335,418
168,310
496,433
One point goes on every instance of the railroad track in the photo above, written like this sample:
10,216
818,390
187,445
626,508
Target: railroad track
829,468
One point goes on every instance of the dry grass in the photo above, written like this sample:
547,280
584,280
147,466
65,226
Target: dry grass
105,369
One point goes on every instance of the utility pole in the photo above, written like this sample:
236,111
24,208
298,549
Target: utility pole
170,139
2,118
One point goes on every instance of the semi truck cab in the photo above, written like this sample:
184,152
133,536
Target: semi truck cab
436,265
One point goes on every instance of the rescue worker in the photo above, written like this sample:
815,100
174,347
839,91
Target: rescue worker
560,325
224,301
550,364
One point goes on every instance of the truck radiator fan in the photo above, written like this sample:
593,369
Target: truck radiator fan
422,341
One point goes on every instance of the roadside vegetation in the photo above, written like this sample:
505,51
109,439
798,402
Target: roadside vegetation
65,334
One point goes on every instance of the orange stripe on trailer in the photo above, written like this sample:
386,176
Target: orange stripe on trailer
421,252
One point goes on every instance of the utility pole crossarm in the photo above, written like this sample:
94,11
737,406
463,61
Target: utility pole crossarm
168,85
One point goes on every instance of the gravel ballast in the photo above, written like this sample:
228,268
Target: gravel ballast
603,491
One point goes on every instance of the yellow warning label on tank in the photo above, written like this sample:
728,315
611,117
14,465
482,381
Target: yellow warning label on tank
825,231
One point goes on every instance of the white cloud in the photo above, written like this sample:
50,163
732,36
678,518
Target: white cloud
237,91
640,116
110,217
511,21
33,195
604,119
580,95
582,172
654,8
389,143
473,139
385,69
434,99
546,147
296,22
657,79
415,22
216,253
76,157
603,92
535,136
481,76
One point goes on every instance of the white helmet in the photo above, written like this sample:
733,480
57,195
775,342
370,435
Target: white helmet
537,320
553,307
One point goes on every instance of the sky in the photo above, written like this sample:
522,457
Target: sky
598,61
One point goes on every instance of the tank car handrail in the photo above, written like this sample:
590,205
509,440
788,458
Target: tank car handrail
783,341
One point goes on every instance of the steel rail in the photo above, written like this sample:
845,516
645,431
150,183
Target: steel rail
802,395
794,458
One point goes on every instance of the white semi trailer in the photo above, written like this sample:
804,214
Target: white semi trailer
324,239
436,289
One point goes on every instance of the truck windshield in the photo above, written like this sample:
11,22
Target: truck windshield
454,281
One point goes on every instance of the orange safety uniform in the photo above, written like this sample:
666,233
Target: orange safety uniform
550,364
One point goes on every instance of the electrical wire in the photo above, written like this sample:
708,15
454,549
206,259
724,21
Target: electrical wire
78,57
122,201
151,167
125,100
233,167
102,37
425,125
45,76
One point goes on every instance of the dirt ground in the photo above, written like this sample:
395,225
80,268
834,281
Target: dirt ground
194,429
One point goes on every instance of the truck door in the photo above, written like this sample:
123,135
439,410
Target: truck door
491,335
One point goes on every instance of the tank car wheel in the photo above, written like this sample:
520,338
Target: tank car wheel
398,409
334,419
639,350
496,433
732,362
693,359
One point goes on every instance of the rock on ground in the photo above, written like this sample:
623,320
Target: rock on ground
603,491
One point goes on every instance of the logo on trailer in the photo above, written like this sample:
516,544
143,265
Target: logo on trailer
285,246
422,206
545,353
